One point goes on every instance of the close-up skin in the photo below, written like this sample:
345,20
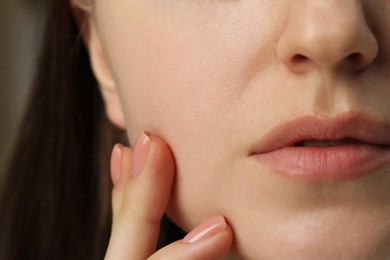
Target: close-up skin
214,79
259,128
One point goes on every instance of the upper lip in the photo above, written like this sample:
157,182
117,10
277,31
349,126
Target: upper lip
360,127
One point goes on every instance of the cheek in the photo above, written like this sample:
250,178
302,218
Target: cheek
190,87
179,65
178,93
185,107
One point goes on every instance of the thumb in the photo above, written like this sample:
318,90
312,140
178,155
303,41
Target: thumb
210,240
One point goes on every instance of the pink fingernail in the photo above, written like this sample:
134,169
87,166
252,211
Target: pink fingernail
115,165
141,150
207,229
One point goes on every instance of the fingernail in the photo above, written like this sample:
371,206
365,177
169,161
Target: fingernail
207,229
115,165
141,150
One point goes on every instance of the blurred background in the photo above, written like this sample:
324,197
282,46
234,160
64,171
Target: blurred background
20,30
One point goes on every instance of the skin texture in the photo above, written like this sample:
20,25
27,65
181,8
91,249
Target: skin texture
211,78
139,202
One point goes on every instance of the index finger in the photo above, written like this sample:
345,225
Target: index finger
143,191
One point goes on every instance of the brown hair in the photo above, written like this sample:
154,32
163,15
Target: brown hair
55,199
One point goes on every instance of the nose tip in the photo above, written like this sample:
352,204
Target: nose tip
327,34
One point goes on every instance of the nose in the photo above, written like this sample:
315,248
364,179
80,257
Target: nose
327,34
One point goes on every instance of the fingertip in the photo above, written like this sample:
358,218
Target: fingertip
119,168
206,229
154,184
127,161
152,152
227,238
141,153
215,228
214,244
217,246
165,159
115,164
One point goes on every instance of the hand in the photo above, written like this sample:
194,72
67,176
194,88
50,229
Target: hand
142,185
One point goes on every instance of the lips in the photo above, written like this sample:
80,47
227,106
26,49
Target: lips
317,148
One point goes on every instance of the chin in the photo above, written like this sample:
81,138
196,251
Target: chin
322,234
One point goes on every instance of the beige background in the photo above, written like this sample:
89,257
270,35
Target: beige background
19,35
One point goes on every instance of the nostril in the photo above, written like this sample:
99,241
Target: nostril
298,58
299,63
355,59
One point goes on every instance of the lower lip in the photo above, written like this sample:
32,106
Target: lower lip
326,163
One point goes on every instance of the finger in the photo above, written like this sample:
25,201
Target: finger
210,240
146,191
121,162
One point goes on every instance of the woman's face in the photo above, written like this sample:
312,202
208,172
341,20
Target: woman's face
226,82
